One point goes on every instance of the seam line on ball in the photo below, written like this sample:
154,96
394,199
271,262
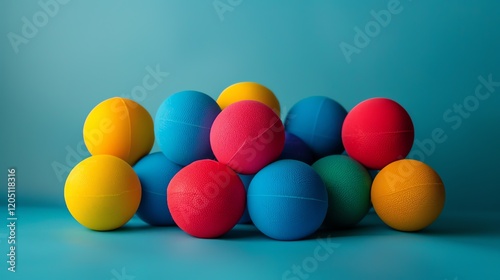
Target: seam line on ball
288,196
188,124
412,187
129,129
155,193
249,141
108,195
316,120
237,151
266,130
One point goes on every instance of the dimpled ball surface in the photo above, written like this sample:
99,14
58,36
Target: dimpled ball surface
206,199
287,200
348,184
182,126
377,132
155,172
248,91
247,136
102,192
119,127
317,120
408,195
296,149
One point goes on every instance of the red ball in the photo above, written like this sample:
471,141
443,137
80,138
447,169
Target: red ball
377,132
247,136
206,198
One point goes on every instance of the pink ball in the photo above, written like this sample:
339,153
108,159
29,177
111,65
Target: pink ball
377,132
247,136
206,198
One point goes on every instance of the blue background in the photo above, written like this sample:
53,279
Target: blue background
428,58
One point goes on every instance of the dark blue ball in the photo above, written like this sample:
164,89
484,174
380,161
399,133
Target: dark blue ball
318,120
246,179
296,149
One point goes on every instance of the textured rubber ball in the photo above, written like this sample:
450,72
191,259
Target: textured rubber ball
247,136
119,127
206,199
287,200
102,192
155,172
377,132
408,195
248,91
296,149
317,120
182,126
348,184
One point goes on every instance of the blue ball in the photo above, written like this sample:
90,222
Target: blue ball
287,200
155,172
246,179
182,126
296,149
318,120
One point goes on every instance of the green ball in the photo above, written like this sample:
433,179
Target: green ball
348,184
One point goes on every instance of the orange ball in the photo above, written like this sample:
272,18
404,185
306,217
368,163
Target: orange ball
408,195
248,91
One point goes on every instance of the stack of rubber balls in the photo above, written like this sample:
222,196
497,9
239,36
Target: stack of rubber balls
234,161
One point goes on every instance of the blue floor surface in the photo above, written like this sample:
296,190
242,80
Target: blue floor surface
51,245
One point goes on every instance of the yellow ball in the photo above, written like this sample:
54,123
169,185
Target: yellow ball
119,127
102,192
248,91
408,195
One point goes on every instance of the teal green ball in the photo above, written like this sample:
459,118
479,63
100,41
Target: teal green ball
348,185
